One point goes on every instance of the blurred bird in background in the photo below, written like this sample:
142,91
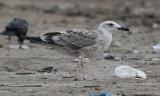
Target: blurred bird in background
17,27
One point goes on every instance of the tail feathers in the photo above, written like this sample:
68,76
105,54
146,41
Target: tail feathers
44,38
48,37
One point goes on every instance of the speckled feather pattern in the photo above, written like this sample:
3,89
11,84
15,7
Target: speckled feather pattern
80,38
77,42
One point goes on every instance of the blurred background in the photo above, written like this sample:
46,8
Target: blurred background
49,15
141,16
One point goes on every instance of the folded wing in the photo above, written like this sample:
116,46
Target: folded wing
74,39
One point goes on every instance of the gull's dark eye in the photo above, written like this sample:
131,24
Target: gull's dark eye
110,24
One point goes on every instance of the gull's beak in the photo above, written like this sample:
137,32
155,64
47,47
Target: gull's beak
123,28
4,33
141,74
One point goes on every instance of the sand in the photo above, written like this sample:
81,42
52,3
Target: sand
27,72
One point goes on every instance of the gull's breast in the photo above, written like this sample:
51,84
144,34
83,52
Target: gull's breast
103,42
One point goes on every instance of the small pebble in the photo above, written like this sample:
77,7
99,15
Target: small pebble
25,47
116,44
154,25
46,69
156,48
108,56
135,51
156,59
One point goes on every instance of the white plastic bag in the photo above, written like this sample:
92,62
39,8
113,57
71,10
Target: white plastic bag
125,71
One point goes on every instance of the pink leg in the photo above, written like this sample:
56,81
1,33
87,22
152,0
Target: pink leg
82,67
78,69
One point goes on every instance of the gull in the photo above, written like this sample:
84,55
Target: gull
17,27
81,43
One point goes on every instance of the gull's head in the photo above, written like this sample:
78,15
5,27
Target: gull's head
110,26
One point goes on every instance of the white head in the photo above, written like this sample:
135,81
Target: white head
109,26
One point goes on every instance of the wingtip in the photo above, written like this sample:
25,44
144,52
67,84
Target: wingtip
43,38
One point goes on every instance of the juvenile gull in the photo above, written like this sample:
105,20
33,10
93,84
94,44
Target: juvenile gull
80,42
17,27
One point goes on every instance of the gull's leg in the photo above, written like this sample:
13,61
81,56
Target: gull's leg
9,41
20,44
9,38
82,67
78,69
